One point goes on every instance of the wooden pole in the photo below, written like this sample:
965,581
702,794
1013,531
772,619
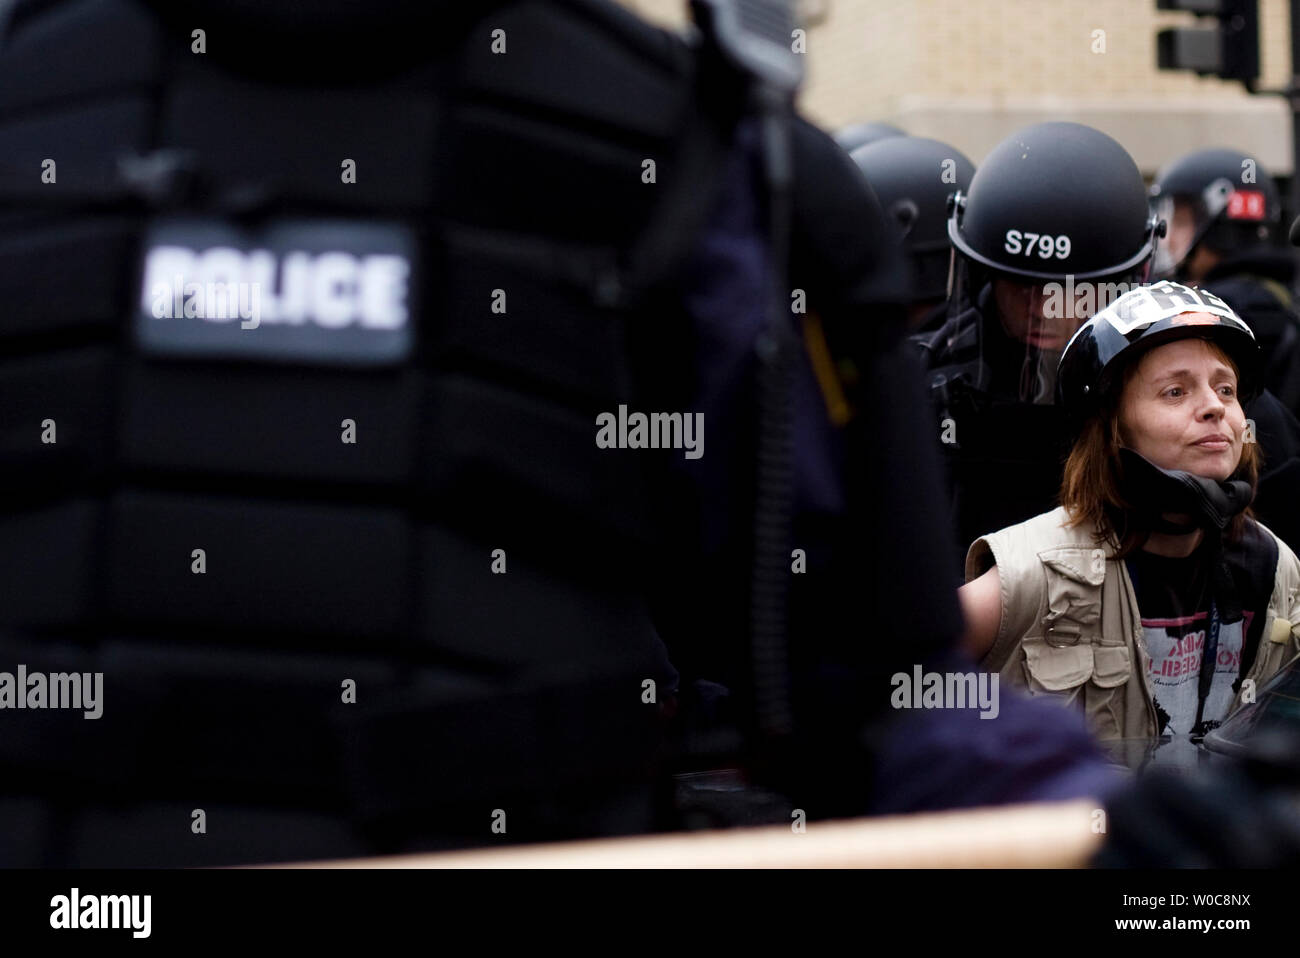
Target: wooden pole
1055,835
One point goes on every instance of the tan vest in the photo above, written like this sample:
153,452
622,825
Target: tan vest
1071,628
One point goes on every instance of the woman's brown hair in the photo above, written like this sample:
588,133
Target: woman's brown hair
1090,489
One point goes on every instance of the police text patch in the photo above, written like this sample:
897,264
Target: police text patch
316,292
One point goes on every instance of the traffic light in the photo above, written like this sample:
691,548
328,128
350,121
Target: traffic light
1229,50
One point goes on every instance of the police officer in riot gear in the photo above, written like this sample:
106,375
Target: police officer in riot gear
913,178
1223,211
339,554
1055,211
355,572
1056,225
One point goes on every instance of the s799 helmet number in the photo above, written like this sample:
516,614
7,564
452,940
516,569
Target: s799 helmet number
1042,245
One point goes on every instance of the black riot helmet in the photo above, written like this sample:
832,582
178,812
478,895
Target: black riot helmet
1054,226
1233,201
1140,320
1055,200
860,134
913,178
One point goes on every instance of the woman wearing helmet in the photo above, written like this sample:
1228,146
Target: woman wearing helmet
1150,598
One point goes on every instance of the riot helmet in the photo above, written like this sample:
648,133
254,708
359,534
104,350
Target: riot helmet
913,177
1149,316
1221,200
1055,225
860,134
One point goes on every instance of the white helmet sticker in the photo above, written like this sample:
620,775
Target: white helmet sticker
1147,305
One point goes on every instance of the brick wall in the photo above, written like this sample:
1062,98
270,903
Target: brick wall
971,71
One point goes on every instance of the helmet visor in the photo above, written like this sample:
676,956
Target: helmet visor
1170,251
1028,325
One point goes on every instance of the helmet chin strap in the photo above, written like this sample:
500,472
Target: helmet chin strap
1154,491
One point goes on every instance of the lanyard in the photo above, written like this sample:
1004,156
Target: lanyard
1209,658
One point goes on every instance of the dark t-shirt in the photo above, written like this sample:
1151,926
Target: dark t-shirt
1174,599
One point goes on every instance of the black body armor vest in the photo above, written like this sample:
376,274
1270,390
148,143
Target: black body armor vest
382,454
